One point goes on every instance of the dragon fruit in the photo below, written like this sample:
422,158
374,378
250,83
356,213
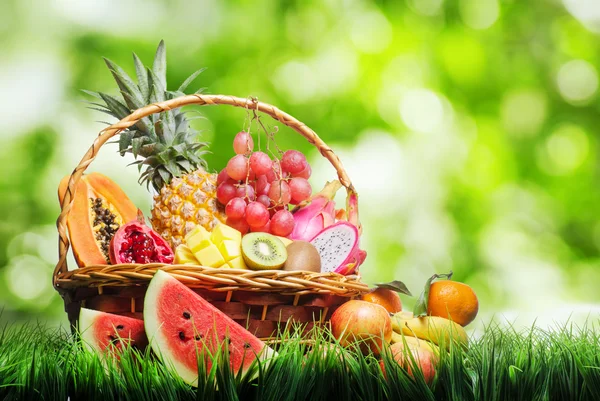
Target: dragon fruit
320,213
338,246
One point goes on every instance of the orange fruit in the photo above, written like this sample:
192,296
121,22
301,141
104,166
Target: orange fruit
389,299
453,300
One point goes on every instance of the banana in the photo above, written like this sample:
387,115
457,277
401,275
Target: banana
410,340
438,330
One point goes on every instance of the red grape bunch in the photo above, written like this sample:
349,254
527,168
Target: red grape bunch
257,191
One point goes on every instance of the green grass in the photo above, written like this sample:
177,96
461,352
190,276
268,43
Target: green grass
563,364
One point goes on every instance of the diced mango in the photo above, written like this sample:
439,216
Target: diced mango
183,255
198,239
237,263
210,256
286,241
223,232
230,249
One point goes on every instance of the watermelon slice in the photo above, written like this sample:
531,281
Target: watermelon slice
182,325
105,332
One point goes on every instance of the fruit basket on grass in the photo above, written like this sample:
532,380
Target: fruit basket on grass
196,215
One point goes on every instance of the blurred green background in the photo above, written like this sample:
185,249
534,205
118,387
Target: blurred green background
469,127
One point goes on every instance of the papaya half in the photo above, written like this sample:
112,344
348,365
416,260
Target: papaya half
99,208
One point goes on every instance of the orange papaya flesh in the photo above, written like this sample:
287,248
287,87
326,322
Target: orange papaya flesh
99,208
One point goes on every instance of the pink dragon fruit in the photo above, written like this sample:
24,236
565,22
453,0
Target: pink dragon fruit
338,246
318,214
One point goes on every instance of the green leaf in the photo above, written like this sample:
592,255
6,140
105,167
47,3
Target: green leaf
125,84
110,113
142,77
420,308
159,67
173,168
189,80
136,145
185,165
91,93
118,108
395,285
125,139
164,175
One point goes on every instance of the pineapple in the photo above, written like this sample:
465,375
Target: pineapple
168,148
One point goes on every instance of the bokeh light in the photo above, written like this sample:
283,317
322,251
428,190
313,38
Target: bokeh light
524,111
421,110
479,14
577,81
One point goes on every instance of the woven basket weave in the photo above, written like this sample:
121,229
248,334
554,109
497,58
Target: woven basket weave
262,301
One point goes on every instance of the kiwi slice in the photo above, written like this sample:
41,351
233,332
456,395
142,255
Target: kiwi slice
262,251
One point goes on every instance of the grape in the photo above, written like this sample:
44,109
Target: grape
264,199
262,185
239,225
275,208
300,189
282,223
280,192
237,167
235,208
293,162
304,173
260,163
246,192
257,214
275,172
243,143
226,192
264,229
222,177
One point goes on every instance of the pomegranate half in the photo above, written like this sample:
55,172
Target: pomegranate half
135,242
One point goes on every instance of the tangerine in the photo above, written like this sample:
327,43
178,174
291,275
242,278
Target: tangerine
389,299
453,300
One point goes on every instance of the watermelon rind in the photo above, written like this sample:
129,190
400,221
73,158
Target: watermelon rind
89,320
87,317
157,336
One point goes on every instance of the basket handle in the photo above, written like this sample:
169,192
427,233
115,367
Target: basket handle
109,132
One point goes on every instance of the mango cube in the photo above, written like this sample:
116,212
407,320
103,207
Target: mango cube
183,255
210,256
237,263
223,232
230,249
198,239
286,241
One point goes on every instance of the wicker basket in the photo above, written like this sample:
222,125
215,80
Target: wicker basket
263,301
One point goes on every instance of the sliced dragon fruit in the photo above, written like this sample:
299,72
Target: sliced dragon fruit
338,246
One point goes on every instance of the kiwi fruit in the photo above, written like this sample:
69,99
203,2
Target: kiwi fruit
262,251
302,255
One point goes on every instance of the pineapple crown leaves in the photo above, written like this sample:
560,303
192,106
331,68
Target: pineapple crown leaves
165,141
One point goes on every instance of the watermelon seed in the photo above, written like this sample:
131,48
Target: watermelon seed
199,337
246,345
186,315
120,327
182,335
